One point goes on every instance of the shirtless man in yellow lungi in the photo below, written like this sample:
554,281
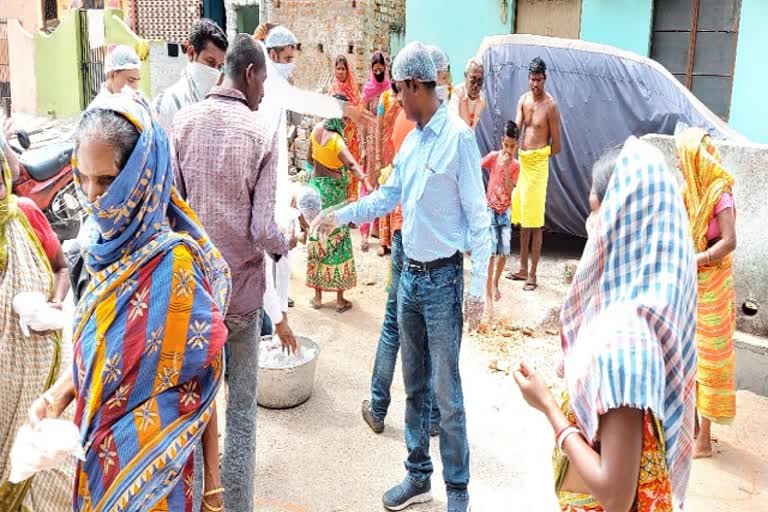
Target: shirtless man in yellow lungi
539,120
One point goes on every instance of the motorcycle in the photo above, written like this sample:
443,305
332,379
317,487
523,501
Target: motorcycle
45,177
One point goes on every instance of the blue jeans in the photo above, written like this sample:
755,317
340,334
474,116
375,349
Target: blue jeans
267,328
238,467
430,320
389,343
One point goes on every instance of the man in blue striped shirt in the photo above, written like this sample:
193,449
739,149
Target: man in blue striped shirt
437,179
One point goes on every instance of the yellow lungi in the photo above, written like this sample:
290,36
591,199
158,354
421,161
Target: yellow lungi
530,195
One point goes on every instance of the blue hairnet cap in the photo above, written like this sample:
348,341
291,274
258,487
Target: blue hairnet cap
439,58
414,62
279,37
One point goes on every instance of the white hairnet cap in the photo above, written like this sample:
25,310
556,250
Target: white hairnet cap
121,57
439,57
279,37
414,62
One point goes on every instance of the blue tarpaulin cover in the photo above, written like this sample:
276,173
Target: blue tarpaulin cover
604,94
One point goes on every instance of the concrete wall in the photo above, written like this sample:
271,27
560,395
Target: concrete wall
117,32
748,107
26,11
458,27
336,24
57,66
625,24
163,69
21,57
749,166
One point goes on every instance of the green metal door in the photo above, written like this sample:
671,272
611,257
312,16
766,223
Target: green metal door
247,18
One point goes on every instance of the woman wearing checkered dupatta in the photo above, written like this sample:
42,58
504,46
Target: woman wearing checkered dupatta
149,330
627,328
28,364
709,200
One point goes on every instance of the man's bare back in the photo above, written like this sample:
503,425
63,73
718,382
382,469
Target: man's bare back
540,119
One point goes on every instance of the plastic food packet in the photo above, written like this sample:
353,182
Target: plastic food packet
36,314
52,443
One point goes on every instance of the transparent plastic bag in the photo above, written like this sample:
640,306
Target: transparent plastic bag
36,314
52,443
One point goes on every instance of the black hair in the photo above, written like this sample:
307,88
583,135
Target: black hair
537,67
205,30
279,49
378,58
243,52
341,59
510,130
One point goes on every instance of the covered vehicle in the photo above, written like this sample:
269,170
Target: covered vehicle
604,94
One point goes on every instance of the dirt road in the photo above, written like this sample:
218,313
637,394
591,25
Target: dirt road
321,457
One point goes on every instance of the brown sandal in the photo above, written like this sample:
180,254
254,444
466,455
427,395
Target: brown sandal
346,307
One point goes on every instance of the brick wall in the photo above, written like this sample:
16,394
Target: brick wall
338,27
166,20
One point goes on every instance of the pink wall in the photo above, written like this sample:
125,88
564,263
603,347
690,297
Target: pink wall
21,55
26,11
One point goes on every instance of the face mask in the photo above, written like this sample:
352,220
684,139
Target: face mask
379,77
284,69
442,92
204,77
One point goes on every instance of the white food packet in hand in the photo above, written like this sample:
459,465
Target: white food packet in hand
36,314
52,443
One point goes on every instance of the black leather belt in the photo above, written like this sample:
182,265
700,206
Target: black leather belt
427,266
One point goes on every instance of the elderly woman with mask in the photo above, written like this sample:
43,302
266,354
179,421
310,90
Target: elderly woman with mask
149,333
624,430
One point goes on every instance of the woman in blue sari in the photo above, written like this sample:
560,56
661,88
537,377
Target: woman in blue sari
149,330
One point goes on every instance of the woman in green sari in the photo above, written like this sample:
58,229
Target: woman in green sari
330,262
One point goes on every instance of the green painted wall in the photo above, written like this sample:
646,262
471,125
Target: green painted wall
457,26
749,110
57,65
625,24
117,32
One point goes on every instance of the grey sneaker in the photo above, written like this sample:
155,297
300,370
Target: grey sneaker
458,501
434,430
376,425
407,493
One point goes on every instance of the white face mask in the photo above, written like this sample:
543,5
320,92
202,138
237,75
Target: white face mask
204,77
442,92
284,69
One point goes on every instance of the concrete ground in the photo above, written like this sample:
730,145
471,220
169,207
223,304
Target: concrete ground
321,457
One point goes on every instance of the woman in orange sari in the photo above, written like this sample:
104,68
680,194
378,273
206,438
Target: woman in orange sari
386,113
345,84
708,198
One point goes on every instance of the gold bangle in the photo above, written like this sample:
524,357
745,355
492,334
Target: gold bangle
211,508
214,492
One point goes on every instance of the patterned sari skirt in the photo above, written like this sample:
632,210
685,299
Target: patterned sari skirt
654,487
715,323
331,262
